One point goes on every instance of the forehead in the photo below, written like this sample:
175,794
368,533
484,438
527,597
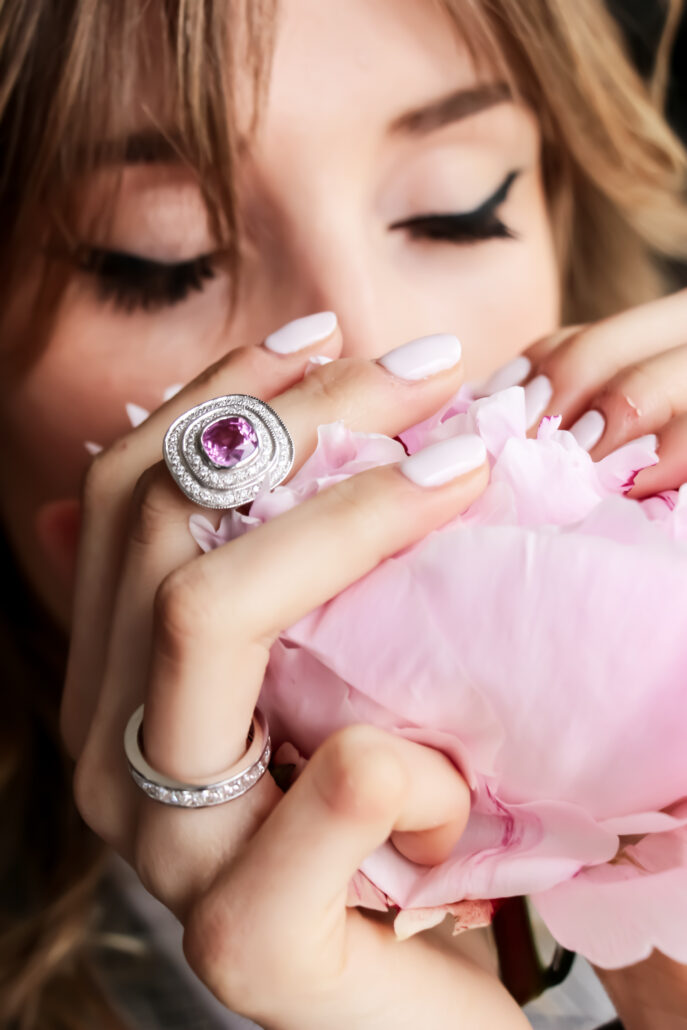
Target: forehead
344,63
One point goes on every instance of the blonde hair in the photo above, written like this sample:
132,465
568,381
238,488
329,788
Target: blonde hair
614,174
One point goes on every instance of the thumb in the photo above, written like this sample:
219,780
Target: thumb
359,787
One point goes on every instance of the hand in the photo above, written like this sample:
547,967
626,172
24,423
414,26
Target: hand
651,995
260,883
631,369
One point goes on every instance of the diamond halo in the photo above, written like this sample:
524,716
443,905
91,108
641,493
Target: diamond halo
210,485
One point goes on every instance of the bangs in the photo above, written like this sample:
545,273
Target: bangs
134,82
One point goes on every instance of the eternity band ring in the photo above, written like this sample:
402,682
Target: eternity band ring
231,784
223,451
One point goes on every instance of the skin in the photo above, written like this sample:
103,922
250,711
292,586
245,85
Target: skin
320,186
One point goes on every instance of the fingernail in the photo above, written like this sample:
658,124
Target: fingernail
445,460
509,375
315,362
589,429
650,441
302,332
423,357
538,393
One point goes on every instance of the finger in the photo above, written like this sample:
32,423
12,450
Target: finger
360,786
158,541
217,618
516,371
548,344
372,396
365,394
671,471
252,370
564,381
638,400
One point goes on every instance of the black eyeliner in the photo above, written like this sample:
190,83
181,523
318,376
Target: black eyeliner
481,223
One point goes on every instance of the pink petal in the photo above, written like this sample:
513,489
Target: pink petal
467,915
539,642
363,893
616,914
136,414
617,470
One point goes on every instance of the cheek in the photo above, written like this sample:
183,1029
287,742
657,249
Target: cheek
505,295
94,365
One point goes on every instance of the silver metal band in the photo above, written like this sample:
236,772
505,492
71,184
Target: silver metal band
234,782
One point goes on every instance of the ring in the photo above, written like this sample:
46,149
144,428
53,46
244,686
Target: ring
234,782
222,451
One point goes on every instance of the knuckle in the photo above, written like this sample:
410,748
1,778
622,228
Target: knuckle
359,502
547,345
366,501
180,612
106,472
573,358
336,383
168,882
150,504
98,484
358,773
625,396
219,950
234,952
92,790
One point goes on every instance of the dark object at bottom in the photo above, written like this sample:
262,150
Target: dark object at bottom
521,969
615,1025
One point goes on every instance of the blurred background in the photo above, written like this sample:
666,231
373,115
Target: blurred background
642,22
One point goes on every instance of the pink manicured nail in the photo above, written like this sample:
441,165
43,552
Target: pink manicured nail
538,393
423,357
445,460
589,429
302,332
511,374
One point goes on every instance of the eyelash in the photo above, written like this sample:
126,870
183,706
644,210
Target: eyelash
133,283
467,226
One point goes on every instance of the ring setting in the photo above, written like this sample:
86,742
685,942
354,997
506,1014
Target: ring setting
221,452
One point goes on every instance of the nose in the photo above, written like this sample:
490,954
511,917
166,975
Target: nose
328,260
334,273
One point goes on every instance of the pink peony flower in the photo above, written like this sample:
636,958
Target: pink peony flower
540,641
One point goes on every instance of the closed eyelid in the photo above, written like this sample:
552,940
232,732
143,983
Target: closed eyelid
485,208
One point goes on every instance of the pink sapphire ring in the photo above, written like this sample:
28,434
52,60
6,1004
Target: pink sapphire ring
230,784
221,452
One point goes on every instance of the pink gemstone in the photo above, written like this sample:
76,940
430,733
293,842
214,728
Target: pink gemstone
229,441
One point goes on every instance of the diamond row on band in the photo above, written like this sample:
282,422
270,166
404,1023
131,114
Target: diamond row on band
212,794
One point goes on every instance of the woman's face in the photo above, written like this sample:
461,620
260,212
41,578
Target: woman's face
359,136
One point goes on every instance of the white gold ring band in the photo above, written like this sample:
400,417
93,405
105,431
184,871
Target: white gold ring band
232,783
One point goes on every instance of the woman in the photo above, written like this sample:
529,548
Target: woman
178,180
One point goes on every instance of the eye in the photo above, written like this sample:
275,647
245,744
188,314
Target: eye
482,223
131,282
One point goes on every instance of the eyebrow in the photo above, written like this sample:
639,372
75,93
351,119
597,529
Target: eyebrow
452,108
152,146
